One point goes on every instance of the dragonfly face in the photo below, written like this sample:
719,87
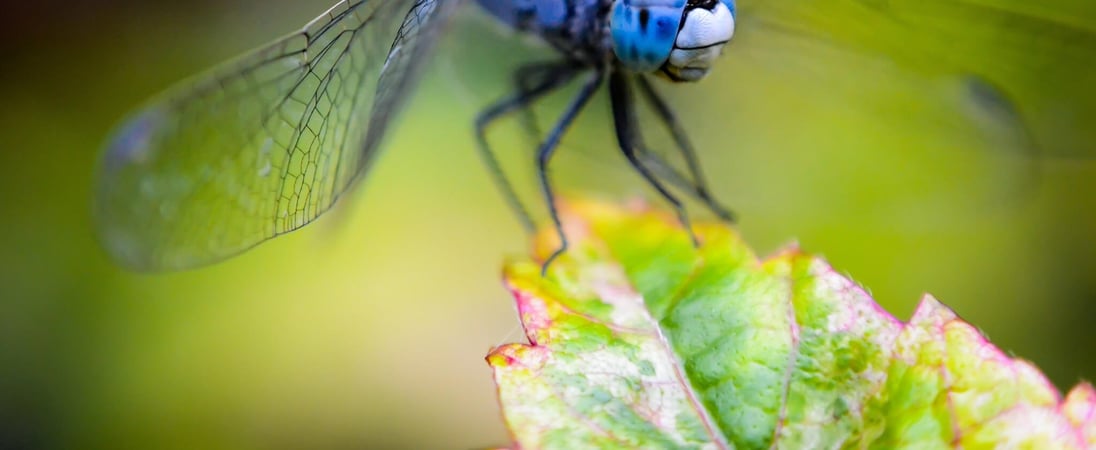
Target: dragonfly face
680,39
619,43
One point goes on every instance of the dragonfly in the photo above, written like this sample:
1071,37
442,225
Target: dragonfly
265,144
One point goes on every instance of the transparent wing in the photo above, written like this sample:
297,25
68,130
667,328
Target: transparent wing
1019,69
262,145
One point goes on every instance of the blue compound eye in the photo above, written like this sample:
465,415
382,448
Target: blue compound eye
644,31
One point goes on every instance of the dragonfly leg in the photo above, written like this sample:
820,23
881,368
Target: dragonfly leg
548,147
699,185
668,172
526,78
552,79
631,143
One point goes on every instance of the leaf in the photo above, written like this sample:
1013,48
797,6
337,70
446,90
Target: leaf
637,339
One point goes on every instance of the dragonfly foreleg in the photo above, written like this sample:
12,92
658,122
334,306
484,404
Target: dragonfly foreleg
631,143
699,185
548,147
551,78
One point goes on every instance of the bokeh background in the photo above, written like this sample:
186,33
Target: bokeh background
874,146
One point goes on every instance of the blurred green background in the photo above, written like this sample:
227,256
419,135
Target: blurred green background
880,149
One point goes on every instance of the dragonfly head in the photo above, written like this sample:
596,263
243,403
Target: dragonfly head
680,39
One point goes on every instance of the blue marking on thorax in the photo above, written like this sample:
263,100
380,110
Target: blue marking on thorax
644,31
541,14
577,28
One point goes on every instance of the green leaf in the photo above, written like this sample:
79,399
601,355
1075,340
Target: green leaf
637,339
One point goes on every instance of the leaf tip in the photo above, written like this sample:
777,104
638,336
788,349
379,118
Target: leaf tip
1079,408
509,356
931,311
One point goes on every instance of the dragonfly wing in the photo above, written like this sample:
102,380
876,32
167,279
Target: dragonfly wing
1005,64
262,145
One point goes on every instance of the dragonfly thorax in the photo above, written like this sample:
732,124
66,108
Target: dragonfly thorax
680,39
